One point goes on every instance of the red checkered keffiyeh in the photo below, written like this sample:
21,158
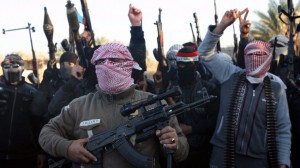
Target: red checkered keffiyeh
113,77
258,57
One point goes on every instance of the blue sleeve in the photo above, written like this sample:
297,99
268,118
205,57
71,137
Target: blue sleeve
284,130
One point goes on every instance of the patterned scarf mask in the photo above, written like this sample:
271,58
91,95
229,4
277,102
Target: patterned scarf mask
113,77
258,57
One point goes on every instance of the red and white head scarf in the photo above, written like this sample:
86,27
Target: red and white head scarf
258,57
113,77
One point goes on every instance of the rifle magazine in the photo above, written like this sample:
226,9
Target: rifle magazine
126,149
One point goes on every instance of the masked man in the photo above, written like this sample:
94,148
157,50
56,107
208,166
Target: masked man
21,118
66,134
197,125
253,126
54,78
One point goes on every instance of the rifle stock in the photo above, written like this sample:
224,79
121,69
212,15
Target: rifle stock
48,30
88,24
34,61
143,126
160,55
74,26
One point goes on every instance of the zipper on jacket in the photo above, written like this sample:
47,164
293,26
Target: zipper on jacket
246,126
113,120
11,120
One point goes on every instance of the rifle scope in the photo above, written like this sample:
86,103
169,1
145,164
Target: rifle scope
129,108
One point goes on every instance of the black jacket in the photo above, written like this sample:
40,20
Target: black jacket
72,89
202,119
21,119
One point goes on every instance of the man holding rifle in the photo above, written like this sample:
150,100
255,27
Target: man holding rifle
99,111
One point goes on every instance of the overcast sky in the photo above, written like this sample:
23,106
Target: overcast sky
109,19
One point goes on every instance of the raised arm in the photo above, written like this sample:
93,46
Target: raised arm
219,68
137,46
245,38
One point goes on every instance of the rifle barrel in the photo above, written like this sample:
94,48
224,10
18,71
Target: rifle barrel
194,39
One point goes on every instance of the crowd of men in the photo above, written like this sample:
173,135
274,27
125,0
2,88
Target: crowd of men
254,121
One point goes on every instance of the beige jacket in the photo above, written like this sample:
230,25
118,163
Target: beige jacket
95,113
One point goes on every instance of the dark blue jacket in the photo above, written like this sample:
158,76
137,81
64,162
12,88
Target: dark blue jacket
21,119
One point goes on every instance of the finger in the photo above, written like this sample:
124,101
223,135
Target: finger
167,137
88,155
171,146
245,18
167,129
169,140
83,141
235,13
133,8
240,18
130,6
77,62
157,132
83,159
167,132
243,11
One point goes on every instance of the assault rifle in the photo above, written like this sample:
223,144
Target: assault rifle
88,25
291,52
48,30
74,26
199,40
216,22
143,126
159,52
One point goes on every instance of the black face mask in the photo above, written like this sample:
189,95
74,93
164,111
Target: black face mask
186,75
13,75
172,73
66,73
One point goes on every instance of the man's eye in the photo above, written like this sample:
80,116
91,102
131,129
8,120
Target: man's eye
100,61
15,65
6,66
256,54
116,60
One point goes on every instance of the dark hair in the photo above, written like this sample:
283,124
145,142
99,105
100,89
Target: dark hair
68,57
13,58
